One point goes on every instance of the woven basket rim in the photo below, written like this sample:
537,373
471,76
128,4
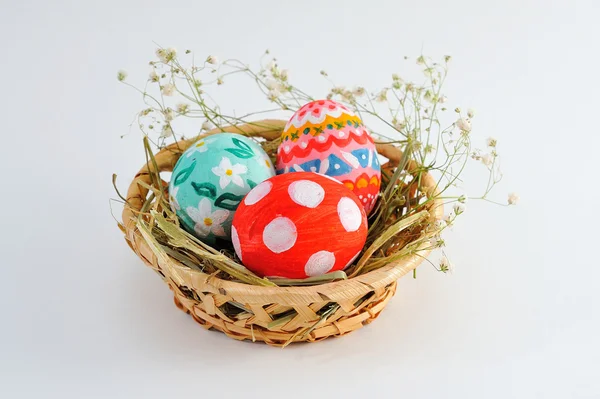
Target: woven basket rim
335,291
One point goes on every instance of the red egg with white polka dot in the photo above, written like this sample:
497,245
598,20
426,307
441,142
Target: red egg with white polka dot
299,225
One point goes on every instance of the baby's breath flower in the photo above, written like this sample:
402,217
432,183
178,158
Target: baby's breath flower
182,108
274,94
457,110
487,159
400,125
323,73
459,208
154,76
359,91
421,60
462,199
395,77
442,99
470,112
121,75
447,58
220,81
168,89
382,96
167,131
437,241
212,59
445,265
169,114
166,55
440,224
491,142
450,219
464,124
207,125
513,199
284,74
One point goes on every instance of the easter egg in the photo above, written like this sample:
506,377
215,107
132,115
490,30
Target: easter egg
211,178
328,138
299,225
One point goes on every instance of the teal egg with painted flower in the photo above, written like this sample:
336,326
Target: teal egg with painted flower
211,178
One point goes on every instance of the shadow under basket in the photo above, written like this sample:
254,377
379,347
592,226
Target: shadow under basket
277,316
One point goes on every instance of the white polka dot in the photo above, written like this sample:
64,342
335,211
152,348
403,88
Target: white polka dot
303,144
341,133
319,263
360,196
321,138
306,193
286,148
364,156
259,192
236,242
349,214
337,166
280,235
351,260
313,168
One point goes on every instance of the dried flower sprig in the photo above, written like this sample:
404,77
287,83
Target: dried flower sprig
413,116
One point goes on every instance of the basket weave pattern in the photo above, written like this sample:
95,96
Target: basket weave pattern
274,315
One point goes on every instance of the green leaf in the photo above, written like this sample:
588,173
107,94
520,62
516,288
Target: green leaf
240,144
184,174
205,189
240,153
251,183
228,201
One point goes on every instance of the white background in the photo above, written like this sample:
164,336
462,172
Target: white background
81,317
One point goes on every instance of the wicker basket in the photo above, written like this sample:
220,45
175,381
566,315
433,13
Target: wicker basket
274,315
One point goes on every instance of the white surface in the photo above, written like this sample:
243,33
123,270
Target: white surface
83,318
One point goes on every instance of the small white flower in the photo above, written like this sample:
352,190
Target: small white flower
437,241
169,114
166,55
274,94
464,124
491,142
359,91
450,219
182,108
168,89
442,99
207,125
166,131
206,220
487,159
513,199
121,75
153,77
445,265
173,198
229,173
199,146
382,96
470,112
212,59
463,199
459,208
284,74
440,224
